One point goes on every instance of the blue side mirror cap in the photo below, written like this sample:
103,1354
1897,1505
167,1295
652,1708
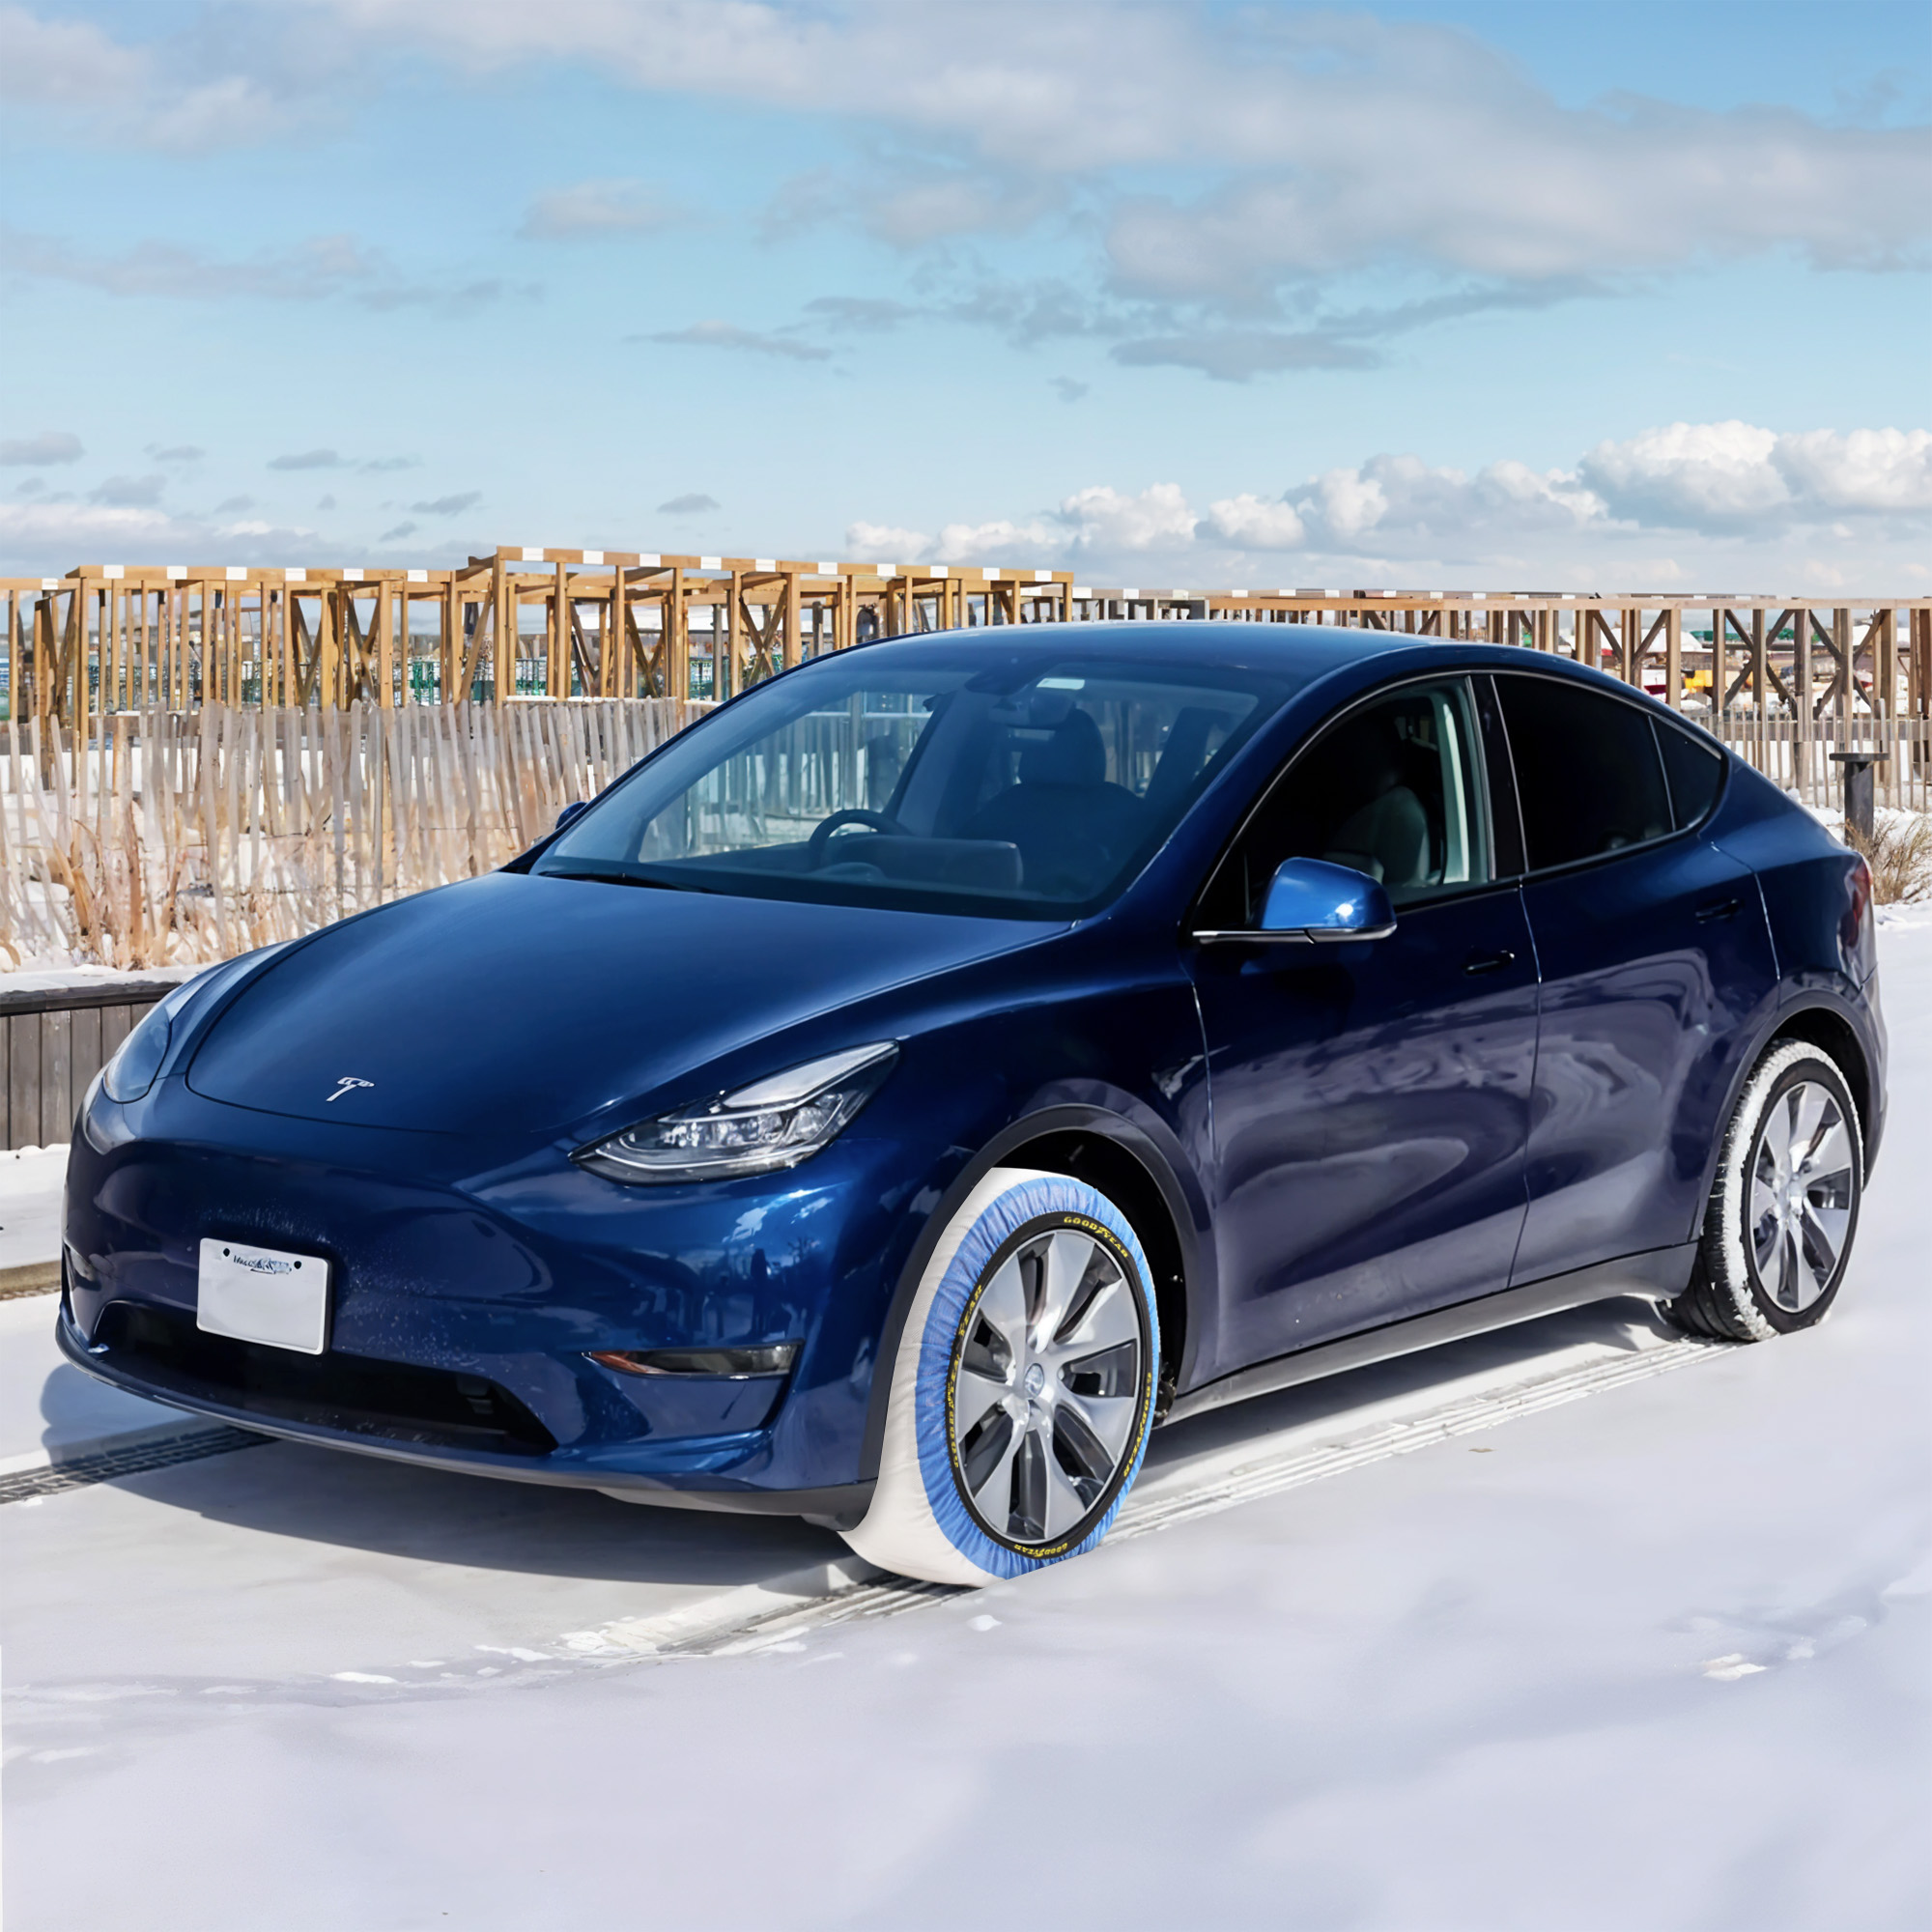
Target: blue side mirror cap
1309,897
1310,901
574,810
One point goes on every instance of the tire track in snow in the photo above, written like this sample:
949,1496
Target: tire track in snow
825,1598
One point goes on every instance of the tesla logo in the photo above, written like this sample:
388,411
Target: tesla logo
347,1084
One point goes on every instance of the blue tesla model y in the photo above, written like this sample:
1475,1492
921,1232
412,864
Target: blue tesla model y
956,1057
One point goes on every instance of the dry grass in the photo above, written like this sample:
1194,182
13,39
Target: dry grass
245,827
1899,853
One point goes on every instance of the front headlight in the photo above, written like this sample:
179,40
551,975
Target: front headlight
770,1124
139,1058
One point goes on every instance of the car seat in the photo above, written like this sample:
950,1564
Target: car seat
1388,836
1073,829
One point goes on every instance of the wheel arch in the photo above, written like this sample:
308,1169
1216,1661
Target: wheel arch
1825,1027
1822,1023
1110,1152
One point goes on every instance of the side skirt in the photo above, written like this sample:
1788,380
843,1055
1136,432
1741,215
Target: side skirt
1658,1275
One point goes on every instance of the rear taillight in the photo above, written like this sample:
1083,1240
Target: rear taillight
1854,938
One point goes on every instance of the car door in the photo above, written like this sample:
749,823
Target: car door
1653,952
1369,1099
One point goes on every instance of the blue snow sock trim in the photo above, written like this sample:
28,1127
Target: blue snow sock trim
1003,1218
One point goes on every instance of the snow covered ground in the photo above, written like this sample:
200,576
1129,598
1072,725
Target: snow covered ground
1655,1654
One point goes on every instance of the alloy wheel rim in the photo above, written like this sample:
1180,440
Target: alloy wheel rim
1803,1183
1046,1387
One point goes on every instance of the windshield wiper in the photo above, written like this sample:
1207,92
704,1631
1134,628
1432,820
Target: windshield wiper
628,879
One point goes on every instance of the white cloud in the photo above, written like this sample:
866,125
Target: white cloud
1715,475
53,445
1255,522
1864,494
716,334
1156,518
130,491
64,59
44,539
591,209
132,94
1338,139
1691,473
884,543
1348,139
1883,469
321,268
1099,519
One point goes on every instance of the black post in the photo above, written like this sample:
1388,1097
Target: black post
1860,790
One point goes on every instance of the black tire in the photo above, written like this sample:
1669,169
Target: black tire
1778,1230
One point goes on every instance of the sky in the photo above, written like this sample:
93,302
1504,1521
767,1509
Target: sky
1563,295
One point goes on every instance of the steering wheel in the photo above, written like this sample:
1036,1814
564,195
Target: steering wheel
821,836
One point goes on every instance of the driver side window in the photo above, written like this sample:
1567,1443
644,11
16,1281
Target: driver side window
1391,790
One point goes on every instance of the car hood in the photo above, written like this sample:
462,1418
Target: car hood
525,1004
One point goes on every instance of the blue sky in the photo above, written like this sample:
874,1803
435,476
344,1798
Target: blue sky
1518,296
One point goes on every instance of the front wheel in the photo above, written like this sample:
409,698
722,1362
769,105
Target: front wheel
1023,1387
1778,1230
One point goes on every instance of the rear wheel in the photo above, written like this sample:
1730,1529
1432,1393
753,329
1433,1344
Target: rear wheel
1023,1388
1783,1215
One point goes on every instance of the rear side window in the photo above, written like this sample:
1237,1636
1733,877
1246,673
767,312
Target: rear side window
1587,771
1696,769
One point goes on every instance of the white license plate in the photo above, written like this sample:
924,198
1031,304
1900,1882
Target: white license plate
261,1295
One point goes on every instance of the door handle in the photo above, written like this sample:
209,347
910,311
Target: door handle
1718,909
1488,962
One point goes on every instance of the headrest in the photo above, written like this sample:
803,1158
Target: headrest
1074,755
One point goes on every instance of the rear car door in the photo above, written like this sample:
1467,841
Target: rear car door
1653,953
1369,1099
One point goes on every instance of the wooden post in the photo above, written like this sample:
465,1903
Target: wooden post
501,644
1759,650
614,654
677,652
385,655
792,652
1673,657
449,663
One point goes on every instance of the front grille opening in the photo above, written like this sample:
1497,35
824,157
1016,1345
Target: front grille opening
354,1393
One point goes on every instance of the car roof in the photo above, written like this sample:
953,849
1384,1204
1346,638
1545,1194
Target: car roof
1306,654
1302,651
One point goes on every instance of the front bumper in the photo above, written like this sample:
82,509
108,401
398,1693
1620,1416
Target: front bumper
468,1289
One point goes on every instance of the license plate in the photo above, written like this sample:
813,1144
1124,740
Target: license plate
261,1295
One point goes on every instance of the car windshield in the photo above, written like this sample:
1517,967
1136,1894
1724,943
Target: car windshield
973,777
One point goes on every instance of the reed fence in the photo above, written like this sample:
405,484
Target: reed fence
159,837
1797,754
152,836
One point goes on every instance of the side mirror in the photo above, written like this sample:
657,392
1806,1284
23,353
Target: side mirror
575,809
1312,903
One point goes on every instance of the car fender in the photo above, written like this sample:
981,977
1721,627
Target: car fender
1815,997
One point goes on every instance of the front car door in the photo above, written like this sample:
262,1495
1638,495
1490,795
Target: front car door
1369,1099
1653,952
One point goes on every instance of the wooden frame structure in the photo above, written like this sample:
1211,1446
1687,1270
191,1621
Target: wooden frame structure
107,638
554,624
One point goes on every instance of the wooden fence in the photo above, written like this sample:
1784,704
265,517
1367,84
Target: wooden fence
1798,754
150,836
53,1040
156,838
